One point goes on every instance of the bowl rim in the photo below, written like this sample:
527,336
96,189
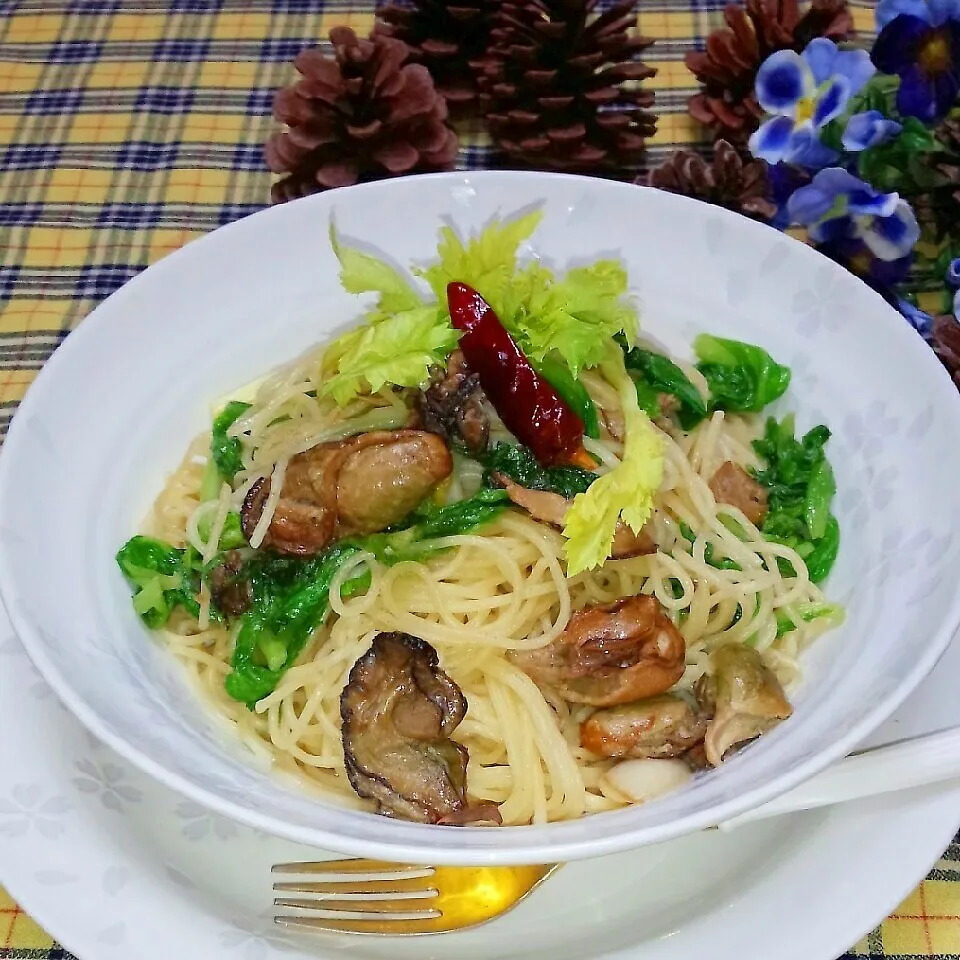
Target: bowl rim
519,844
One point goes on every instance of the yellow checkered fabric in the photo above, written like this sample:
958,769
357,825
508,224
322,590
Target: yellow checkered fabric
128,127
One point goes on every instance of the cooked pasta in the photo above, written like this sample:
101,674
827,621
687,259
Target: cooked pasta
506,576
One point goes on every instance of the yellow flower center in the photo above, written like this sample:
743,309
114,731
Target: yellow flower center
805,109
859,264
934,54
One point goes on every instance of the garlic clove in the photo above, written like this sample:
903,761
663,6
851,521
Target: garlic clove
647,779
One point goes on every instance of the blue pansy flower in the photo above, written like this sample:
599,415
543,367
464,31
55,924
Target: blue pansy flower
920,321
919,41
837,205
804,92
865,130
785,179
953,273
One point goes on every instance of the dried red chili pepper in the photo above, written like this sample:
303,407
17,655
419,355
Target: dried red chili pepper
528,405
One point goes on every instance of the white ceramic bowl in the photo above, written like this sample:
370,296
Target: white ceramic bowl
114,408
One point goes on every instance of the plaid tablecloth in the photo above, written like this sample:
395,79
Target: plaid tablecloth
128,127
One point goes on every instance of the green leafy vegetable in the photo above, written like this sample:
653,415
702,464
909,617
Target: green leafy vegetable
226,451
231,537
398,349
625,492
648,397
743,378
487,262
655,374
573,393
403,337
291,596
800,487
565,320
574,315
419,541
519,464
362,273
165,578
291,599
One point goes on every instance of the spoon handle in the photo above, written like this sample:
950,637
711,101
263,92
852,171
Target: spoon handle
916,762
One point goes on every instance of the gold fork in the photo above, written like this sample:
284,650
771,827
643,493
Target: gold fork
374,896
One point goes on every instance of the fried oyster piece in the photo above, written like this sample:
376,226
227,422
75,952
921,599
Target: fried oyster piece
742,695
399,710
355,486
610,654
667,725
452,406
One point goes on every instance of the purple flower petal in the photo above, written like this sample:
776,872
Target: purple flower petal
953,273
820,55
839,181
831,101
917,96
956,304
856,67
945,88
865,201
893,237
772,140
920,321
888,10
896,48
782,80
808,152
836,230
810,204
867,129
943,10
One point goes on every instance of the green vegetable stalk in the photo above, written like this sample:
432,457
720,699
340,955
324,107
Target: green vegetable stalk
573,393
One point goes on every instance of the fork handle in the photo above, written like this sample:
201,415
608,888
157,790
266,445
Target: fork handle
899,766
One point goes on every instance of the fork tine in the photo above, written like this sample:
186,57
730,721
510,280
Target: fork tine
348,866
391,926
419,883
419,906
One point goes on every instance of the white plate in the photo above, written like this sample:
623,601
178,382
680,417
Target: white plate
86,454
116,866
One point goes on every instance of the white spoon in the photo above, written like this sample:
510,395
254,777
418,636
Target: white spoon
914,762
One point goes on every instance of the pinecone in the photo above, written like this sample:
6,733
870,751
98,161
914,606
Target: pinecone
448,39
940,206
360,114
946,344
560,86
728,68
729,182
